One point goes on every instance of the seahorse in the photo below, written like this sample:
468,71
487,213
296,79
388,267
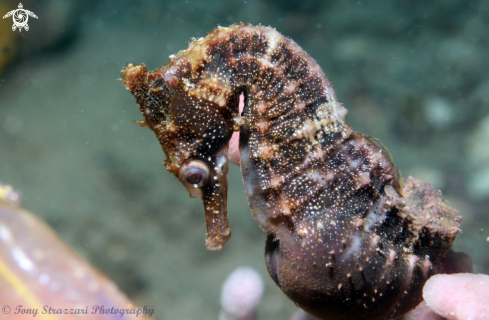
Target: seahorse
347,237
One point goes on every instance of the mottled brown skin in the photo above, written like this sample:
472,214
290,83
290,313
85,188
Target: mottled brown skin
345,239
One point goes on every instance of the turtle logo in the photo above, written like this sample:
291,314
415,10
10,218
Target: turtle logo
20,17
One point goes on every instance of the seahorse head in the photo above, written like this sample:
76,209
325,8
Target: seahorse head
194,125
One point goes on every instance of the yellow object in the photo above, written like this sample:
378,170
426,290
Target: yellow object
8,43
5,191
8,194
18,285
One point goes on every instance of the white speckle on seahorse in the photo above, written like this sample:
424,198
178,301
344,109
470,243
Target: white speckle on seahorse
273,39
375,214
354,249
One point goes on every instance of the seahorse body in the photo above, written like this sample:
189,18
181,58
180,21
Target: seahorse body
345,239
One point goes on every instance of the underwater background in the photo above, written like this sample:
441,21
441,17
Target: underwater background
413,74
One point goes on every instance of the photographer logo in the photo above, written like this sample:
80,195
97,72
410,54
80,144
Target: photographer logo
20,17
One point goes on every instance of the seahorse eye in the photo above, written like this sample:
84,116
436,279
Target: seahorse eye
194,173
194,177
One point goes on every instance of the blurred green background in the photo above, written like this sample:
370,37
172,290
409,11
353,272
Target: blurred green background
414,74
